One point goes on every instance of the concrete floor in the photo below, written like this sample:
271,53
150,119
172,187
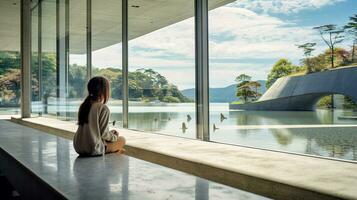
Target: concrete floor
110,177
273,174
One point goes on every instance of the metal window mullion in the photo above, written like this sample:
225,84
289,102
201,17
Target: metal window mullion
89,39
202,69
58,71
125,66
66,46
39,49
25,58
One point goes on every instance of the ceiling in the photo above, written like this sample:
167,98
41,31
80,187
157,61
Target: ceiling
145,16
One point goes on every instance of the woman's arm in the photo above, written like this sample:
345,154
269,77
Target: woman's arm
104,125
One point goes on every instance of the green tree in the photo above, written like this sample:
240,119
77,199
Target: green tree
247,89
243,78
308,48
10,77
331,35
144,84
171,99
10,86
322,61
77,81
351,28
244,92
9,60
255,85
281,68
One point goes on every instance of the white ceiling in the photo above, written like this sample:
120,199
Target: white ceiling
151,15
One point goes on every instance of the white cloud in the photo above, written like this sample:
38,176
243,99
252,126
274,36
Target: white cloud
256,36
283,6
178,39
253,36
223,74
250,36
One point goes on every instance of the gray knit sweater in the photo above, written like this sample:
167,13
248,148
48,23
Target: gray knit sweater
91,138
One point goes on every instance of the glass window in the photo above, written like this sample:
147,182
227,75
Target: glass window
107,51
77,72
10,72
252,45
35,95
162,67
49,59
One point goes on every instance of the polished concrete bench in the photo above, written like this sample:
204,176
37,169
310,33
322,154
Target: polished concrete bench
43,166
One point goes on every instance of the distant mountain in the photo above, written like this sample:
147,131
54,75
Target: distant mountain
222,95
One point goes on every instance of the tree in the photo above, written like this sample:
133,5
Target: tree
144,84
10,76
243,78
351,28
77,81
322,61
334,36
255,85
308,48
10,86
247,89
281,68
244,92
9,60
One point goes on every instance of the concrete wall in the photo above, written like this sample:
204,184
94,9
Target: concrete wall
303,92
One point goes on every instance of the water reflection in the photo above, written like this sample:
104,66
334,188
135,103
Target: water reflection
253,128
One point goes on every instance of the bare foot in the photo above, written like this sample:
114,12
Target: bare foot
122,151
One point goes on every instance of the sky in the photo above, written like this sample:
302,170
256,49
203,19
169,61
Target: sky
246,36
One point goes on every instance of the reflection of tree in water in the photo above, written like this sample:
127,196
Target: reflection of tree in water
151,121
245,117
281,117
282,136
325,116
332,141
337,142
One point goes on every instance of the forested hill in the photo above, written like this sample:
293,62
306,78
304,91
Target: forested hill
144,84
222,95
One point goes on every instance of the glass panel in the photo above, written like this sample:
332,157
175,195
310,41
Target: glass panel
252,45
35,97
49,77
77,56
107,51
10,72
62,65
162,67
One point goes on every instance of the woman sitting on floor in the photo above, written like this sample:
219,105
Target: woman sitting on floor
93,136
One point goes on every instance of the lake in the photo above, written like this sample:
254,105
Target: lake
321,132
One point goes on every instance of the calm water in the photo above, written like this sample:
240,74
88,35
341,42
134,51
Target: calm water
322,132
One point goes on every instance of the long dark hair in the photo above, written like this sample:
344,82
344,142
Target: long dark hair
98,90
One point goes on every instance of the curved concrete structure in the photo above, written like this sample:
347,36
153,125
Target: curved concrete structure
303,92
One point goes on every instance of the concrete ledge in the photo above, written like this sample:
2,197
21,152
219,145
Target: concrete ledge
20,177
272,174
